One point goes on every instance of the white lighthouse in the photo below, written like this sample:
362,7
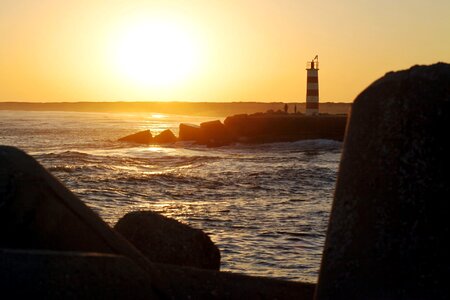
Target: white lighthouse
312,86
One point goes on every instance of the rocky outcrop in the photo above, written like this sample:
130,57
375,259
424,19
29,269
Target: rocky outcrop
141,137
38,213
165,137
389,229
255,128
165,240
215,134
268,128
189,132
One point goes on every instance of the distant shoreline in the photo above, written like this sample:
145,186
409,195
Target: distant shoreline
213,109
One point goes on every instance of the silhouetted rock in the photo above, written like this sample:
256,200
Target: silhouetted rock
215,134
268,128
165,137
38,212
141,137
27,274
389,227
189,132
191,283
165,240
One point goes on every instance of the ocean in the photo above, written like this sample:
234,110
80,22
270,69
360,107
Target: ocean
265,206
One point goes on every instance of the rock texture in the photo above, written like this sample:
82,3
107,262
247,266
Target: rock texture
165,137
165,240
389,228
141,137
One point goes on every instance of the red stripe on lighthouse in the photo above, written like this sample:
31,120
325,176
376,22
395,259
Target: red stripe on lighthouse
312,80
312,93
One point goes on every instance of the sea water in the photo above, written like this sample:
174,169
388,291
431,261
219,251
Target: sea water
265,206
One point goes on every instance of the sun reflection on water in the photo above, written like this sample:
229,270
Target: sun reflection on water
155,149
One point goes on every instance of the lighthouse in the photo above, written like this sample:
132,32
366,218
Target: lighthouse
312,86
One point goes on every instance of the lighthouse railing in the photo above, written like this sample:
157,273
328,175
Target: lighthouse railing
309,64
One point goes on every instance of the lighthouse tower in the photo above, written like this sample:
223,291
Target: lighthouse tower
312,87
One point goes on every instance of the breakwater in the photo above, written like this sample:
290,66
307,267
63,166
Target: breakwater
255,128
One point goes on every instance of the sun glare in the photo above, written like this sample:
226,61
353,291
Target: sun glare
158,116
156,53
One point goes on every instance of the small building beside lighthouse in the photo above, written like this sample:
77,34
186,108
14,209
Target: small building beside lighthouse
312,87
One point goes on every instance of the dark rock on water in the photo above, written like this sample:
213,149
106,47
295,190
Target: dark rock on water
38,213
26,274
141,137
165,137
215,134
255,128
145,137
268,128
389,228
189,132
168,241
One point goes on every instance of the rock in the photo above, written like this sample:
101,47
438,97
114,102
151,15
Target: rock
189,132
215,134
269,128
165,240
191,283
37,212
389,228
70,275
165,137
141,137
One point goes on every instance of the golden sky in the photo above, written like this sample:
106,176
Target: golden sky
208,50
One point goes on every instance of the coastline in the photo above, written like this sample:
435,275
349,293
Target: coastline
213,109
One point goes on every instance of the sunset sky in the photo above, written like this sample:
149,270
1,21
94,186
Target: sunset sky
98,50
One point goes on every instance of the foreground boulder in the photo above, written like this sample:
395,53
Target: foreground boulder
38,212
165,240
141,137
189,132
389,228
165,137
35,274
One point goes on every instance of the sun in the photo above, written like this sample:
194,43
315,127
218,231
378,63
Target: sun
156,53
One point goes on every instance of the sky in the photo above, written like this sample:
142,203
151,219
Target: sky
210,50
